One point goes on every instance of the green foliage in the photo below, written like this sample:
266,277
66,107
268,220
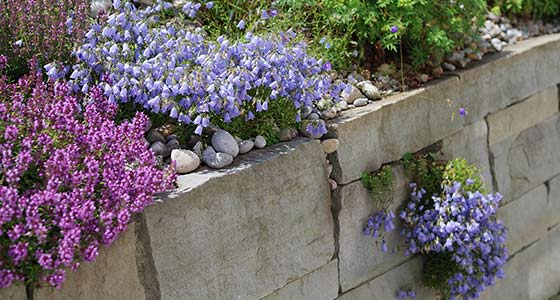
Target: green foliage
223,17
280,114
380,185
438,267
429,29
341,31
533,8
431,174
426,171
459,170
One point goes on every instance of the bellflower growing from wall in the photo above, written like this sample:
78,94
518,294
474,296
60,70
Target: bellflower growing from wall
180,72
455,227
70,178
460,233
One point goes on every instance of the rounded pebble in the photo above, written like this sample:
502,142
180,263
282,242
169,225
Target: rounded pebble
260,142
361,102
223,141
246,146
330,145
186,161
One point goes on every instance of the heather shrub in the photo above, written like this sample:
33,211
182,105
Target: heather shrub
70,178
46,29
184,74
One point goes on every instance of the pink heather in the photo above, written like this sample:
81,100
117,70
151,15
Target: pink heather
70,180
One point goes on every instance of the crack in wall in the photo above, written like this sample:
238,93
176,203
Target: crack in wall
335,210
147,273
491,160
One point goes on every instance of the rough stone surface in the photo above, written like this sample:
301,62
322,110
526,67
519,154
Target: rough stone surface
223,141
321,284
554,198
113,275
513,120
385,287
528,218
531,274
244,235
13,293
383,131
470,143
361,258
330,145
522,162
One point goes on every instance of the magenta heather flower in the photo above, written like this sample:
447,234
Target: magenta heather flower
3,62
48,30
70,178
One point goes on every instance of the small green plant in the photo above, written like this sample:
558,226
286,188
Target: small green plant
425,170
380,184
459,170
438,268
280,114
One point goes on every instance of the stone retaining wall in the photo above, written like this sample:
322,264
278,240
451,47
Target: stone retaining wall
270,227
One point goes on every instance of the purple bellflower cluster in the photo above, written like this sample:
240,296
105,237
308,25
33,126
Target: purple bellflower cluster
382,221
70,178
463,224
182,73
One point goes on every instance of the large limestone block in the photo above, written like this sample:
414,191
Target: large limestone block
321,284
528,218
244,232
382,132
386,286
532,274
14,292
360,256
470,143
113,275
523,115
524,161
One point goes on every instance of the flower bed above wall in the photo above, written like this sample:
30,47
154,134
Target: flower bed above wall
139,92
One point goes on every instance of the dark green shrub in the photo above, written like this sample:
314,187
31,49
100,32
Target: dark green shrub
344,31
529,8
